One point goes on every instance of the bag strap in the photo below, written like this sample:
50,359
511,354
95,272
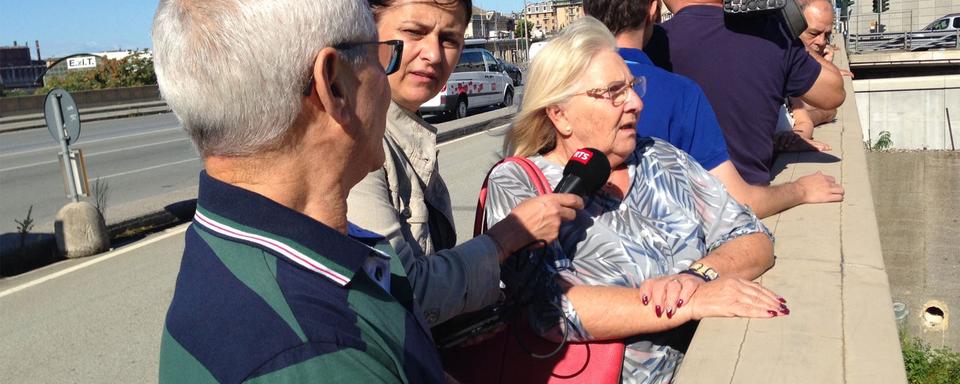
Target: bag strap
533,172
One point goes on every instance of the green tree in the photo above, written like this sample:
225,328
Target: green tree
522,29
132,71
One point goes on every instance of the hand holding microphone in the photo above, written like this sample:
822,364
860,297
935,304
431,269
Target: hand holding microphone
540,217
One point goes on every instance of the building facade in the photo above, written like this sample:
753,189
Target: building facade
542,19
17,67
567,11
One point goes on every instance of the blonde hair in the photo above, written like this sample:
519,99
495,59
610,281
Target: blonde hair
553,77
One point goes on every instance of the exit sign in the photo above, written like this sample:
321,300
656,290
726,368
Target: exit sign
81,62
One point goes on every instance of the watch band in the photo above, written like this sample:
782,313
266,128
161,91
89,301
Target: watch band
694,273
707,273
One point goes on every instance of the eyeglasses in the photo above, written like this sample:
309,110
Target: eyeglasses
388,54
618,93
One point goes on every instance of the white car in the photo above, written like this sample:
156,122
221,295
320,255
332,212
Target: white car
949,22
477,81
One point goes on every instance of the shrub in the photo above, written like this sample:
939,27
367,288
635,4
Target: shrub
927,365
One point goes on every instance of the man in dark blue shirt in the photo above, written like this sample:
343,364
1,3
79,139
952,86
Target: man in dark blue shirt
676,110
746,65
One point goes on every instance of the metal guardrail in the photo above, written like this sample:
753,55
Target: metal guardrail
906,41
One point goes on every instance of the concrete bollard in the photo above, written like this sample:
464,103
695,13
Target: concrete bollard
80,230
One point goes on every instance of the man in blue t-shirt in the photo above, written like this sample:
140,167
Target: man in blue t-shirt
676,110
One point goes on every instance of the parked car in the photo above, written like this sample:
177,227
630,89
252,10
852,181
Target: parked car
477,81
513,71
949,22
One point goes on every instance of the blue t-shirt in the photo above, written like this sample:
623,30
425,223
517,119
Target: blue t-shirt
746,65
676,110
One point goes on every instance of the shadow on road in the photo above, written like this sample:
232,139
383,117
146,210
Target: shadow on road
24,253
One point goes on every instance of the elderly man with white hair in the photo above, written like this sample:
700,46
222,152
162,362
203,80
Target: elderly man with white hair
286,101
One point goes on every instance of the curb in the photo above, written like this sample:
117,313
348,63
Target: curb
91,117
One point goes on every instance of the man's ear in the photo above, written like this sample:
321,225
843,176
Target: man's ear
330,87
653,13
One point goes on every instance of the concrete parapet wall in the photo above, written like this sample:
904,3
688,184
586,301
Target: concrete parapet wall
912,109
831,270
10,106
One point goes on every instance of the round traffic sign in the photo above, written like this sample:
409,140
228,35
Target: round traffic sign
69,115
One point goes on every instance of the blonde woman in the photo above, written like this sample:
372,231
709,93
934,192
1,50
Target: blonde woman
661,244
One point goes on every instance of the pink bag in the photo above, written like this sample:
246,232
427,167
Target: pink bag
501,358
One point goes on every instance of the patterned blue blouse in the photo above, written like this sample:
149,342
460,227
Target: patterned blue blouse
674,213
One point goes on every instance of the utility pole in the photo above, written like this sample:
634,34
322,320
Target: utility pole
526,34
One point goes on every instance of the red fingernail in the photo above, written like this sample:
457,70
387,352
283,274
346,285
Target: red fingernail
772,313
785,311
782,300
670,313
646,300
679,303
783,306
659,311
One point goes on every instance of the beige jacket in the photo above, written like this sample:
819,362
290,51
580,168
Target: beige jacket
393,201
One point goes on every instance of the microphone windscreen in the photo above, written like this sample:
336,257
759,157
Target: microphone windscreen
590,166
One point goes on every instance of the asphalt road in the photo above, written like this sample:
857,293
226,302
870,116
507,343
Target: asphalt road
145,162
136,158
99,319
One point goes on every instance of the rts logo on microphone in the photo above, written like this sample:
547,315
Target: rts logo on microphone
582,156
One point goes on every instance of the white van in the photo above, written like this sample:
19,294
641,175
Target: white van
535,48
477,81
949,22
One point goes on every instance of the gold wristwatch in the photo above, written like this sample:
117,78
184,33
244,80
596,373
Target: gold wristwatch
704,272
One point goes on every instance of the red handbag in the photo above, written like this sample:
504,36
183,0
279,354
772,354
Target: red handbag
502,359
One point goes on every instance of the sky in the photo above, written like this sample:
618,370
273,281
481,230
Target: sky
65,27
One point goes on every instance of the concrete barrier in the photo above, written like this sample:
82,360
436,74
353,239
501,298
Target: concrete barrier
11,106
831,270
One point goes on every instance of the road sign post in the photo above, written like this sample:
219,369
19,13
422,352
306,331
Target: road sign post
64,128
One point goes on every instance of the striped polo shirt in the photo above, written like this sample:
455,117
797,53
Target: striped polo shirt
267,294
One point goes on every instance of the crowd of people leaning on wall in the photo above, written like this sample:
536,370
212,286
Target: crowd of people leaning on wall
323,246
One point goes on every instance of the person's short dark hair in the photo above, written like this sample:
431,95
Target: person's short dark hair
618,15
466,4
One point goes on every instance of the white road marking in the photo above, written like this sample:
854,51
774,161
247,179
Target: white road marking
148,168
94,154
169,233
52,147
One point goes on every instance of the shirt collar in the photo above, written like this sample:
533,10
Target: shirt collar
415,137
701,10
634,55
240,215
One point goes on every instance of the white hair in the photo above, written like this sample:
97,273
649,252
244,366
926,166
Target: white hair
553,76
234,71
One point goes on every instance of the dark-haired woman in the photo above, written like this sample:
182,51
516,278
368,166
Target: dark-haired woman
408,202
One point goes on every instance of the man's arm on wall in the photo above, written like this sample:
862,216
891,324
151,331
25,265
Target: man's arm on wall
827,92
766,201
